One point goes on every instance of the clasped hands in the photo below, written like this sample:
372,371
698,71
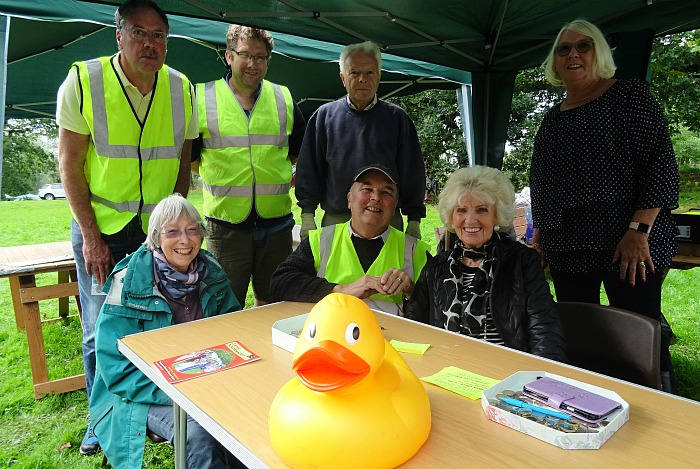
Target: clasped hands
392,282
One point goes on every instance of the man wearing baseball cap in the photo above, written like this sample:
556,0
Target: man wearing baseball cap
364,257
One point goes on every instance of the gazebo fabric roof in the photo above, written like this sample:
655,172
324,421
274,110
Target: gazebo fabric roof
493,39
46,37
472,35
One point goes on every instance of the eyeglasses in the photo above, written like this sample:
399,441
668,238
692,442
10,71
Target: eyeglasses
140,34
258,59
191,232
564,48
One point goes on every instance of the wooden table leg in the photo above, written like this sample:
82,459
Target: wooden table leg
35,336
74,278
28,306
63,277
17,301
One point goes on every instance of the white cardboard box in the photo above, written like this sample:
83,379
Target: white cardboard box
285,332
555,437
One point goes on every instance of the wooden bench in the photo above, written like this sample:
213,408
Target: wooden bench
21,264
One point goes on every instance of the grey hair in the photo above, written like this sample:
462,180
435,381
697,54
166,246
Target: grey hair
489,185
604,65
169,210
367,46
128,8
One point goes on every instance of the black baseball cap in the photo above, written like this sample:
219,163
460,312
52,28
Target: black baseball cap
377,167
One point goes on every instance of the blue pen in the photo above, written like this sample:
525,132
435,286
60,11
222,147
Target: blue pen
519,403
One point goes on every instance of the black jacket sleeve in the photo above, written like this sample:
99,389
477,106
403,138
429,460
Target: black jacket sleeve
295,279
417,307
522,305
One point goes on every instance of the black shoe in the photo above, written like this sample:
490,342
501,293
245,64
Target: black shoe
155,438
90,444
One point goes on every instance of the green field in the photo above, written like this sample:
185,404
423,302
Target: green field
47,433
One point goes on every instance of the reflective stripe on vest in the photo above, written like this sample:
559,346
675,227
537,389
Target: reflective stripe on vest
131,165
101,132
218,141
240,162
131,207
322,246
327,233
247,191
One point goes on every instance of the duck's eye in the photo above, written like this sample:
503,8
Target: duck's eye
311,331
352,333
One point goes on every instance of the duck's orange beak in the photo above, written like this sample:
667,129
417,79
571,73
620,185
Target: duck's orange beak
329,366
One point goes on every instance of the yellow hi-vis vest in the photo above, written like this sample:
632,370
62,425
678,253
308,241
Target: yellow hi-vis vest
335,258
244,158
131,166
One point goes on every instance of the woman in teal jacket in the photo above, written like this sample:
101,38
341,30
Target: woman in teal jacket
169,280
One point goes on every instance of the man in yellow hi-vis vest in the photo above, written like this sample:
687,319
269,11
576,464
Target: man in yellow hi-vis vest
251,132
364,257
126,125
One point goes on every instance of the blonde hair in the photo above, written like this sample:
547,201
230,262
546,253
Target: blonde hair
486,184
604,64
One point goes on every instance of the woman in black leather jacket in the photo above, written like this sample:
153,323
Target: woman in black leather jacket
489,286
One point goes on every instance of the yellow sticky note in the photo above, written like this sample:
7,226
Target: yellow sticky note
410,347
462,382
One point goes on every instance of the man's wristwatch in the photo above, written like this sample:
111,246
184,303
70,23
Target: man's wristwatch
641,227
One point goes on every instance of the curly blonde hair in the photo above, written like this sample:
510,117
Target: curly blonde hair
486,184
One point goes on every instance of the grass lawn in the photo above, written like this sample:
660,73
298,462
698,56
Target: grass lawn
47,433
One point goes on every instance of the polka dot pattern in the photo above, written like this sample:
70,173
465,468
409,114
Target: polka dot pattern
592,167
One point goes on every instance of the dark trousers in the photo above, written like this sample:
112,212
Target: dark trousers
643,298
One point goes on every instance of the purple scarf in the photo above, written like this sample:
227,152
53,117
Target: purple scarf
175,283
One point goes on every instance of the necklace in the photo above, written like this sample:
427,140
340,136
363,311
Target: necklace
593,91
566,100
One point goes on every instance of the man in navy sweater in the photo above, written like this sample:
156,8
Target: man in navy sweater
356,131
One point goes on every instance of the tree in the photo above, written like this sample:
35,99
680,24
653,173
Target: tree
439,127
26,165
532,97
675,70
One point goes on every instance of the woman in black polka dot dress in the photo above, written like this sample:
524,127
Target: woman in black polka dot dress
604,180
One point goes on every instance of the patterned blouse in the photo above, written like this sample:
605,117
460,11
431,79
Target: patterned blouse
476,320
592,167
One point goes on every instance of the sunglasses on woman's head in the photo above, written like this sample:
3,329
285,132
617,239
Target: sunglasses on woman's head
564,48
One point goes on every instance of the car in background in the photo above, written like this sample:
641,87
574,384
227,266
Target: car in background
52,191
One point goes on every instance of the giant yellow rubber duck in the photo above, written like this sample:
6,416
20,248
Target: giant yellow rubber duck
355,402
